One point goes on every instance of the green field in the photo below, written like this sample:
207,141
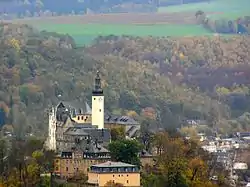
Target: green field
225,8
85,33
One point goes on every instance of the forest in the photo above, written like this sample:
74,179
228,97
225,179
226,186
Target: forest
224,25
162,82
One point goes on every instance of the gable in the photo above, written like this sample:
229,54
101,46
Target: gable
68,123
75,107
60,105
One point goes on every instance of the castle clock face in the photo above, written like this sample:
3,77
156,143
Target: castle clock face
100,99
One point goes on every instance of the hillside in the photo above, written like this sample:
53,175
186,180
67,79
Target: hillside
182,54
35,7
60,7
216,65
37,67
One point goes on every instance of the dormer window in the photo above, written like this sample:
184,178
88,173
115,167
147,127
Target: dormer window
86,118
74,113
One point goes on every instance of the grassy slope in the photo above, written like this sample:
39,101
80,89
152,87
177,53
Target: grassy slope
226,8
86,32
134,30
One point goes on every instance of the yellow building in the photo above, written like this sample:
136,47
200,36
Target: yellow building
117,172
71,163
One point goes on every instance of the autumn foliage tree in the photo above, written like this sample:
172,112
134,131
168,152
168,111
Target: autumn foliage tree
26,162
179,163
112,184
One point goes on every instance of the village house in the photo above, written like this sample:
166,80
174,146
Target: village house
115,172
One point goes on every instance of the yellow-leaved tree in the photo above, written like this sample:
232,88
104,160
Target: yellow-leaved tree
112,184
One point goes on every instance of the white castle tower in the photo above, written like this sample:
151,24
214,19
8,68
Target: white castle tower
98,103
51,141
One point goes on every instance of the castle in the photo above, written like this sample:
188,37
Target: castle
71,124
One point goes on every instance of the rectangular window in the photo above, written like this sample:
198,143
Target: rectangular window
67,169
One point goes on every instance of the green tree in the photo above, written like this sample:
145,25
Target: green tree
38,156
2,117
118,133
150,179
213,116
146,137
33,173
33,144
2,158
11,113
199,13
48,162
125,151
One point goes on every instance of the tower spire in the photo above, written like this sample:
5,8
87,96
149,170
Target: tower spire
97,85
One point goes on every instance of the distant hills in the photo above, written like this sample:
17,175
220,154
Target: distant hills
78,6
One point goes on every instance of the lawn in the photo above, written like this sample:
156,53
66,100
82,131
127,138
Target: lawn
85,33
223,8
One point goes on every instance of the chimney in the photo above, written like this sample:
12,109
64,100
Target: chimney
88,140
109,117
102,132
96,143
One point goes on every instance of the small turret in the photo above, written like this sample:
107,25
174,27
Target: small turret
97,85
